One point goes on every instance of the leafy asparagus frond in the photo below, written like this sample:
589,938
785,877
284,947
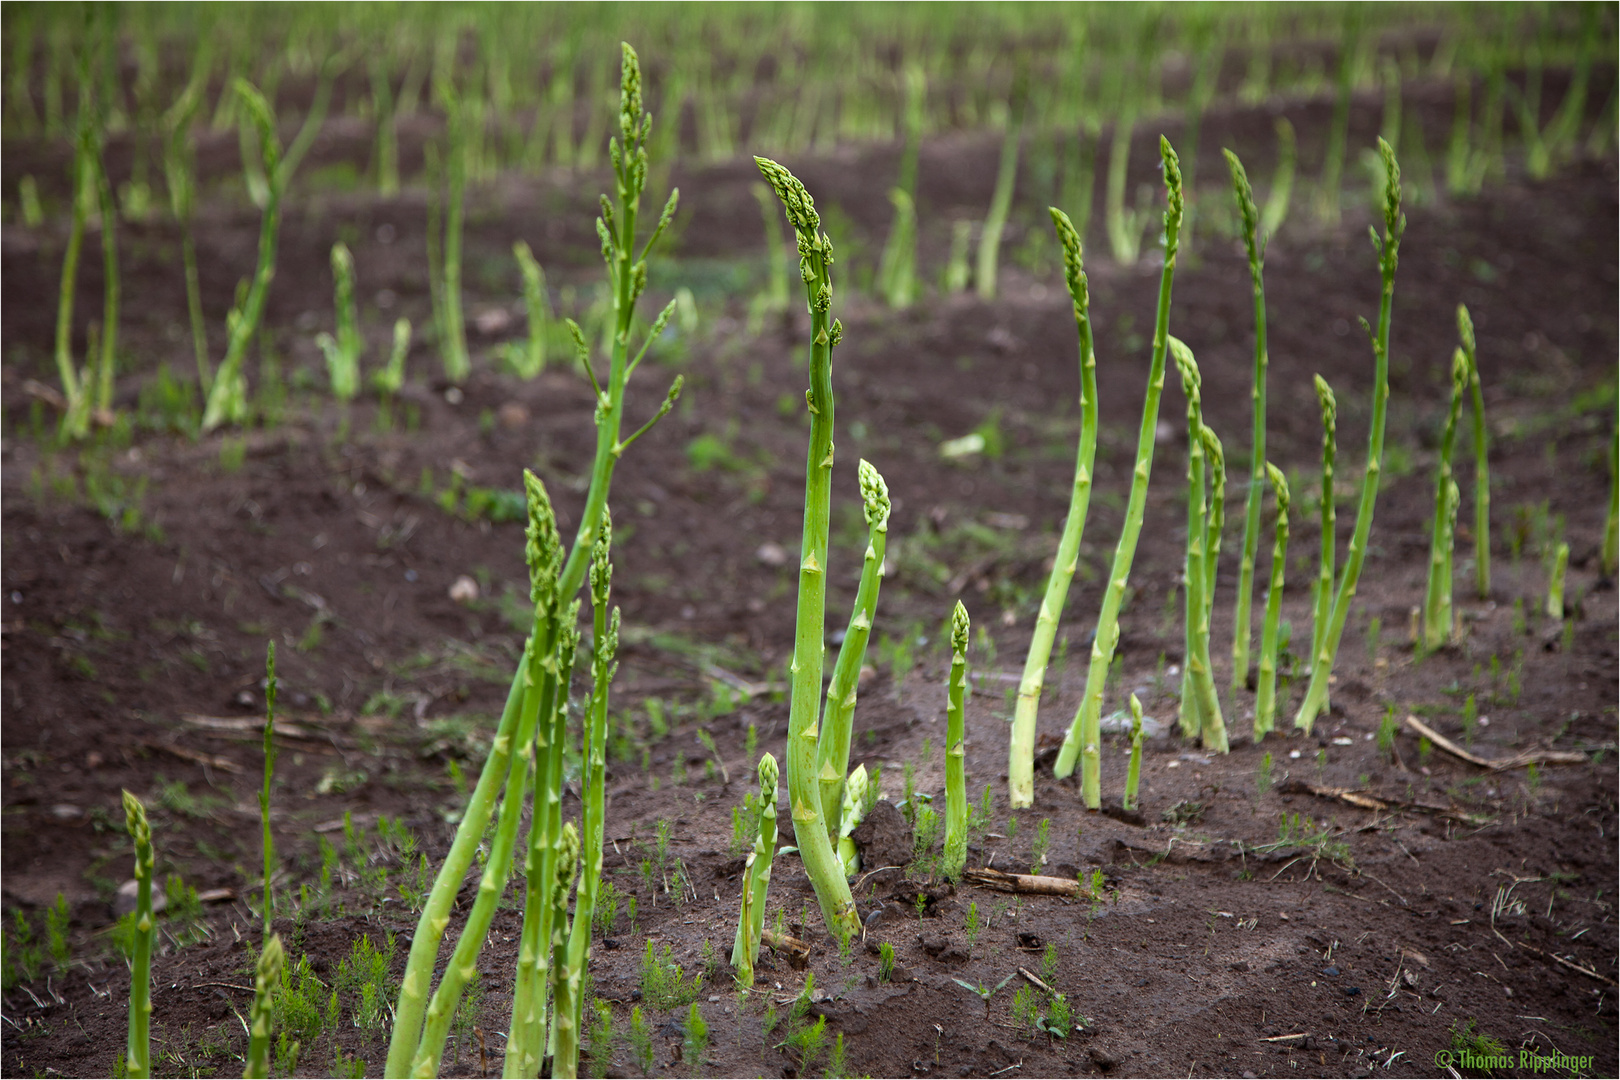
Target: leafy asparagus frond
670,399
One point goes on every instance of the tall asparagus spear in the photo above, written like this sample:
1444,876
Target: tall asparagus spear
1482,465
956,750
266,979
1388,256
1084,735
757,878
1437,598
138,1050
567,975
1323,607
1021,751
837,718
1265,701
1200,702
1256,248
809,828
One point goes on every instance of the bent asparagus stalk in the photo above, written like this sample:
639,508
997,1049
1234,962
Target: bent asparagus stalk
1021,751
1084,735
1437,598
756,879
956,750
804,794
838,714
266,978
138,1050
1482,466
1133,771
1252,243
1265,699
1388,257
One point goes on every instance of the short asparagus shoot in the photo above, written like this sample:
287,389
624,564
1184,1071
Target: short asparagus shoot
1388,250
1083,741
756,879
956,808
1133,771
1021,749
1437,598
266,978
138,1051
1555,586
343,352
1265,698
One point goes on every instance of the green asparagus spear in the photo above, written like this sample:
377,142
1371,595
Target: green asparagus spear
1200,702
138,1051
809,828
1437,598
756,878
266,978
1256,248
1482,466
1323,606
1021,752
567,974
1133,771
855,805
1265,703
1555,587
956,750
1388,256
838,713
1084,735
343,352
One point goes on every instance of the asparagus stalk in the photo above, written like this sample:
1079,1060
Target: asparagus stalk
267,842
1437,598
820,862
1282,181
452,329
75,421
1200,703
1001,197
391,378
756,879
838,714
111,289
956,750
1085,735
1133,771
180,171
1021,749
1388,256
343,352
568,974
138,1051
1555,587
1322,607
628,273
531,354
1265,703
1482,465
1250,216
266,978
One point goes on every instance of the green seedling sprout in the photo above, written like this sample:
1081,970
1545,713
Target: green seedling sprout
1021,751
227,392
756,878
1256,249
390,379
1084,736
266,978
1133,771
1482,466
837,721
343,352
1555,585
1322,607
1200,703
551,587
1265,702
956,802
1437,598
809,828
1001,198
1388,251
267,842
138,1051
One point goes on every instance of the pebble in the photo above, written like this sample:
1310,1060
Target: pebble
464,590
771,553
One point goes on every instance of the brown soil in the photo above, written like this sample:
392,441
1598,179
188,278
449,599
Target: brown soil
1214,951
